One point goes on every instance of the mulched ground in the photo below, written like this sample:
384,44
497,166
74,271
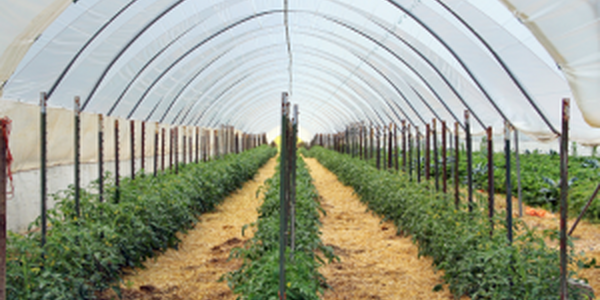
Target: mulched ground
193,271
375,263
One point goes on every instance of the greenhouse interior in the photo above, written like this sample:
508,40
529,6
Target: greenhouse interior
308,149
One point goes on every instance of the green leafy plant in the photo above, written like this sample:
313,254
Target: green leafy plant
87,254
475,263
258,277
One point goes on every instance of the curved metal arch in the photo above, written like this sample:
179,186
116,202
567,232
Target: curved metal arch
433,90
358,56
505,67
222,30
251,70
333,73
412,68
126,47
453,53
327,113
64,72
267,89
264,86
260,94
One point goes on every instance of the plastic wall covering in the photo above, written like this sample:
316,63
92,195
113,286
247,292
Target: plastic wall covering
198,62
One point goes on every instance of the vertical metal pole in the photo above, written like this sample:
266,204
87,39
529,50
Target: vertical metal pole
117,192
77,146
162,149
3,178
564,193
100,158
396,149
490,148
176,148
444,159
404,145
508,185
518,170
216,144
469,160
427,151
171,148
456,165
143,145
378,151
293,179
156,150
132,146
410,153
360,141
43,162
184,146
390,146
436,165
282,196
197,132
418,136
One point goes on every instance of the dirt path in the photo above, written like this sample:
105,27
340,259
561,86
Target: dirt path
192,271
375,262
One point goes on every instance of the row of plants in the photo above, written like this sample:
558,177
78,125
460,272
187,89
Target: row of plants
258,277
540,177
475,262
87,254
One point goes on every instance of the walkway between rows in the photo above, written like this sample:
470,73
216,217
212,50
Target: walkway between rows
375,262
193,271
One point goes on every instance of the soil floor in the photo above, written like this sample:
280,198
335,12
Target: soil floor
374,263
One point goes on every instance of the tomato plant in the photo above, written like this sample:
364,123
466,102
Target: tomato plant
475,263
258,277
87,254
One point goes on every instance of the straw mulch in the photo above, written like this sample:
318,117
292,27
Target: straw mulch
375,262
193,271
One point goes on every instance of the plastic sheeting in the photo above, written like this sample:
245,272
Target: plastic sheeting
205,63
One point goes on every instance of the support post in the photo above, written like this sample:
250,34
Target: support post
176,148
427,151
410,153
390,146
162,149
117,192
456,164
197,132
378,150
156,150
404,145
282,197
436,165
396,149
100,158
418,136
509,221
490,157
77,161
143,146
469,160
132,146
43,163
564,193
518,170
444,158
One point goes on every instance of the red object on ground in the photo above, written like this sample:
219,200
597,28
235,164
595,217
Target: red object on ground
539,212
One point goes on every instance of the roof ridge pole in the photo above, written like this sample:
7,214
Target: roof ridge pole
504,67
